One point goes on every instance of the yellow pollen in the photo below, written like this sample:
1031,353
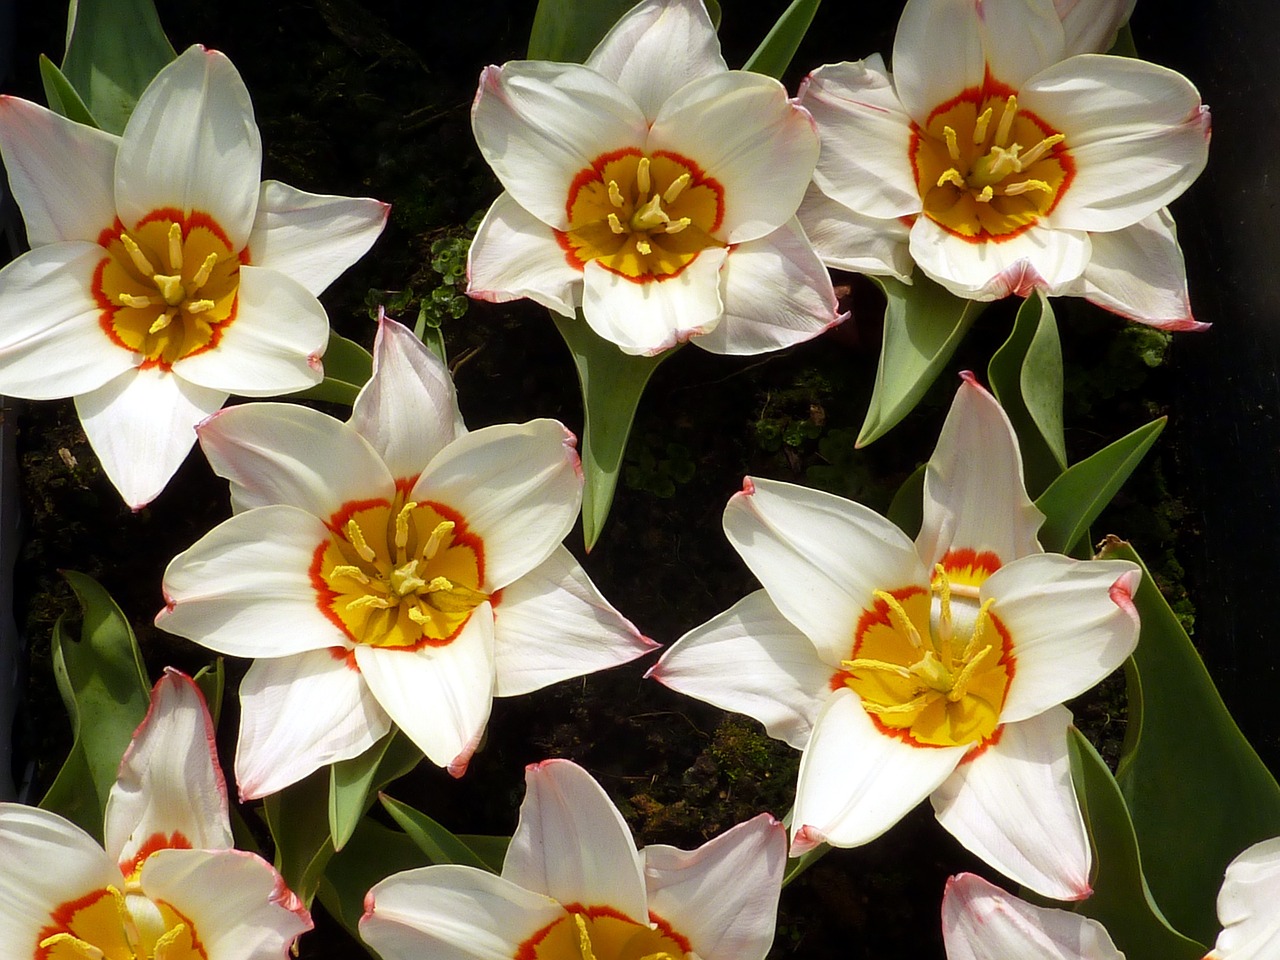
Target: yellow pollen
675,226
130,300
882,665
1014,189
139,258
960,685
404,580
402,527
355,536
163,320
952,176
584,938
980,127
650,216
985,195
1040,149
170,288
202,275
942,583
643,247
643,182
76,946
1006,120
899,616
615,224
615,195
369,600
953,146
894,709
200,306
979,627
676,188
175,247
348,570
443,529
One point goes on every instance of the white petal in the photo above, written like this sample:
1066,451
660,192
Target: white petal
851,241
312,238
408,411
191,143
654,315
518,488
974,495
856,782
1247,905
1136,132
61,173
451,912
982,922
51,342
776,294
741,130
141,425
1138,273
944,47
273,345
572,844
1013,804
723,896
552,624
236,902
514,255
170,786
299,713
1071,622
540,124
656,48
751,659
244,589
865,162
1040,258
285,453
48,862
439,696
1090,26
820,558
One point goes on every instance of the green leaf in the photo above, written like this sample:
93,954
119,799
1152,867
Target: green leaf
212,681
347,367
798,865
373,853
61,95
1196,789
612,383
1026,377
104,686
1076,498
923,325
114,49
776,51
568,30
907,509
1121,901
430,334
491,850
439,844
352,781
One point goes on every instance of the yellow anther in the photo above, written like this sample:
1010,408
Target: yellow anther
443,529
942,584
1006,120
985,195
449,597
418,617
206,268
979,628
129,300
960,685
71,946
953,147
584,938
980,127
369,600
952,176
643,247
1040,149
163,321
643,183
140,261
175,247
348,570
1014,189
170,288
615,224
676,188
355,536
860,664
660,955
402,524
200,306
675,226
171,937
880,709
615,195
898,616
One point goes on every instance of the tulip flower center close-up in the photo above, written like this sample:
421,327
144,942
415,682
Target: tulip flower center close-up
117,925
399,574
168,287
932,667
985,169
642,217
601,934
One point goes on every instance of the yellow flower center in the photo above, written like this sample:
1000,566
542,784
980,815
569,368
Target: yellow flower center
399,573
642,217
600,933
169,287
985,169
115,924
932,667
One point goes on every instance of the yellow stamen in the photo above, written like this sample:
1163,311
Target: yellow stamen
200,306
347,570
980,127
898,615
986,194
139,258
615,224
675,226
443,529
584,938
74,945
355,536
979,628
615,195
942,584
402,525
369,600
206,268
642,247
1040,149
163,320
643,183
882,709
953,147
405,580
676,188
650,216
960,685
953,177
862,663
129,300
1006,120
1014,189
175,247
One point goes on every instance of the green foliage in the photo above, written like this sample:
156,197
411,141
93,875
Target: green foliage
568,30
658,467
923,326
776,51
441,845
347,367
351,782
104,687
61,95
1195,787
114,49
1121,900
